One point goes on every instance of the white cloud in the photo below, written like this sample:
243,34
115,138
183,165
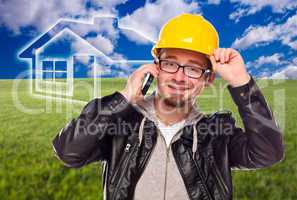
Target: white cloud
123,68
262,35
286,69
290,72
123,65
100,70
250,7
136,36
84,59
78,45
123,74
255,35
236,15
274,59
104,34
104,43
108,3
101,43
83,30
150,18
107,26
18,14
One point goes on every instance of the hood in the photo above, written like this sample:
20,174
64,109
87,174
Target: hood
147,108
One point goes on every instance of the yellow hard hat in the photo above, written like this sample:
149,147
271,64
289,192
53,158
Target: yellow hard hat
188,31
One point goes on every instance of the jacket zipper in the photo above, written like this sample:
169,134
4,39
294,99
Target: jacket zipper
166,169
167,150
200,175
202,178
179,168
222,187
121,162
146,159
126,161
167,156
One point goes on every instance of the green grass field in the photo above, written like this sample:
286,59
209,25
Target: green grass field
29,170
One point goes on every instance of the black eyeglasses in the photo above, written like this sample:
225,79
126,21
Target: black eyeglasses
172,67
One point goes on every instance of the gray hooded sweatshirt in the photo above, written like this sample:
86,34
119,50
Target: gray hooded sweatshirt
161,179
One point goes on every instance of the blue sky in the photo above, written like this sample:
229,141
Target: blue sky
263,31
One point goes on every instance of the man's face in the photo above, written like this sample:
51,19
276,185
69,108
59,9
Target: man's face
177,89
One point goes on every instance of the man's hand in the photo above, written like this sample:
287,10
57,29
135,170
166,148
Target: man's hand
132,91
229,64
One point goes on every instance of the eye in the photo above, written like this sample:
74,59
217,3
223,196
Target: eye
168,63
194,69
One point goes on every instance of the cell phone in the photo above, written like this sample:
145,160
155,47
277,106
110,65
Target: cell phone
148,79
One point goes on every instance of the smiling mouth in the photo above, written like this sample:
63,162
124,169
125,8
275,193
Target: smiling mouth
178,88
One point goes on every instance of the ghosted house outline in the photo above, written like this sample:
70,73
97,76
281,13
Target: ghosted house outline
44,71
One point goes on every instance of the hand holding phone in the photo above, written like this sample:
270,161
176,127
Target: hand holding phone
139,82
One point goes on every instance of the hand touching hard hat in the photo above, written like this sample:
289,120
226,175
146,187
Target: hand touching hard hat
229,64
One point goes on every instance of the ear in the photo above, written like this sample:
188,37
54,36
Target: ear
210,79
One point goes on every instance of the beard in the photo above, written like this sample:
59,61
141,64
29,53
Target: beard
174,102
184,101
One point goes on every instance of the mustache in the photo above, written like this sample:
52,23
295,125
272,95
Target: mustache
181,84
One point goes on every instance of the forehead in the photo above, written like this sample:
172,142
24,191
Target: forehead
183,54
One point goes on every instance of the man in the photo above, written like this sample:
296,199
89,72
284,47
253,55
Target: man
167,149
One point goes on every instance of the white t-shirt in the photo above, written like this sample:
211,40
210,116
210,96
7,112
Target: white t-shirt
169,131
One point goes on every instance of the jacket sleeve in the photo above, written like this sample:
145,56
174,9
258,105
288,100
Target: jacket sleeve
260,144
88,138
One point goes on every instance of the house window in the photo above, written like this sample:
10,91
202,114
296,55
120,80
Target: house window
54,70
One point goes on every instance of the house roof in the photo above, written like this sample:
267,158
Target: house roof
85,30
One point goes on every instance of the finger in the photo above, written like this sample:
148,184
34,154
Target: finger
227,55
149,68
155,74
138,77
233,53
152,67
213,62
222,56
217,54
154,71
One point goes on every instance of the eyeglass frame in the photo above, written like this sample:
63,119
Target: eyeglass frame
204,71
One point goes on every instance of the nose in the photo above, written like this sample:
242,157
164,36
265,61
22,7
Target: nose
179,75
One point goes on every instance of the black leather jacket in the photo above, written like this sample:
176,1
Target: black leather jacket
98,134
